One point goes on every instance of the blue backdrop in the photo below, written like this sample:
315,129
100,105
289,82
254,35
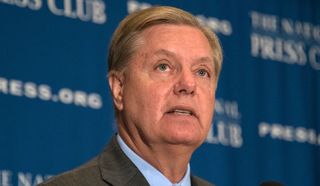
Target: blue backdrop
56,111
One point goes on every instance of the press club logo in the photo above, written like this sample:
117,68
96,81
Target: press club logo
85,10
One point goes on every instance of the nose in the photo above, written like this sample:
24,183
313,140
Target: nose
186,83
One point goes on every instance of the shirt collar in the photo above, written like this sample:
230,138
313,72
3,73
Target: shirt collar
152,175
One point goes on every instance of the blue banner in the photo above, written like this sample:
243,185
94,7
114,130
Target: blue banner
56,111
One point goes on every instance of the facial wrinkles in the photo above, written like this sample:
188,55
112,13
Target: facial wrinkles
180,63
186,58
182,40
159,90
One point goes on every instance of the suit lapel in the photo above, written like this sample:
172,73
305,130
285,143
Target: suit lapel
193,181
196,181
117,169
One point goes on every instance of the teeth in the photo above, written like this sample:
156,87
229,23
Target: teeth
183,112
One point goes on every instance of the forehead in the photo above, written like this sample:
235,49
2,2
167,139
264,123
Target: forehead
176,38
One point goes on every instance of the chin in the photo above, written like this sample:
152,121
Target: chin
184,139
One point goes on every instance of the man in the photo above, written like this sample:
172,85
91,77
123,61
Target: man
163,73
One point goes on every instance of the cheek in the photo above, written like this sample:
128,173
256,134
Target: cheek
156,96
133,94
149,101
207,104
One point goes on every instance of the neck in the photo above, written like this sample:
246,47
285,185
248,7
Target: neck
171,160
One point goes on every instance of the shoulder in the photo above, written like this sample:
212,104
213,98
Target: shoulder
197,181
87,174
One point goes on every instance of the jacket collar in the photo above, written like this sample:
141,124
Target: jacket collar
117,169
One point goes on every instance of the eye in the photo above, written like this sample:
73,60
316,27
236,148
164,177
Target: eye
163,67
203,73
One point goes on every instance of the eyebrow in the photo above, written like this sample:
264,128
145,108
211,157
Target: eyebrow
165,52
172,54
205,60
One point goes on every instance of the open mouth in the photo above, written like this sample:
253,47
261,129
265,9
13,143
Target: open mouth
183,112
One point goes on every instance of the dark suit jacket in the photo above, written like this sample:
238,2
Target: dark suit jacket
111,167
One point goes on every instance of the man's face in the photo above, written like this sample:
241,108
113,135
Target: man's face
168,89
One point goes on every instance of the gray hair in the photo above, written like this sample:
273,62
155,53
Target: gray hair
125,39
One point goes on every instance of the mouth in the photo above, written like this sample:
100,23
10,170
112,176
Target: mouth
182,111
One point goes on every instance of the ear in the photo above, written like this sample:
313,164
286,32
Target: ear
116,87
